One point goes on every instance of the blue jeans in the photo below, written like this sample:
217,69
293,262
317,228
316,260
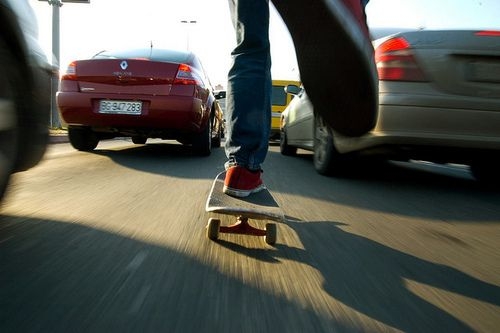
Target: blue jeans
248,98
248,101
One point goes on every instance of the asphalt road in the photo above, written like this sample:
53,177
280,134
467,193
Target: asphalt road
114,241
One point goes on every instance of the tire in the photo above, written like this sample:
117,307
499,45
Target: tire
82,138
327,160
216,141
271,233
486,172
139,140
202,142
286,149
9,128
213,227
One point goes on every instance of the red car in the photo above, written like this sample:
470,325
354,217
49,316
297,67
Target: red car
140,93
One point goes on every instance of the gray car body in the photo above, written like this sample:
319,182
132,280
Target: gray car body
453,117
26,90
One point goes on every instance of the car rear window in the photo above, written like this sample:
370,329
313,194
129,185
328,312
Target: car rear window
151,54
278,96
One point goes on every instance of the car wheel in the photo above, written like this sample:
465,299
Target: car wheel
82,138
216,140
327,160
9,130
202,142
139,140
286,149
486,172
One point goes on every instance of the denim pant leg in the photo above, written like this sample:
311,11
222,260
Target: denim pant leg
248,100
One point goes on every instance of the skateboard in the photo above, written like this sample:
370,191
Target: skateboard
257,206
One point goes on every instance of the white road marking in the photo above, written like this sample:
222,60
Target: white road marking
139,300
137,261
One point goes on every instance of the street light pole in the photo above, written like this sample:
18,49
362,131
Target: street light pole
56,4
54,114
189,23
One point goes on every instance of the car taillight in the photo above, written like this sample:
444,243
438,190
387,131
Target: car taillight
186,76
489,33
395,61
70,73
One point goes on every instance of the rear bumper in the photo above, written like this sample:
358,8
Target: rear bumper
178,113
418,130
468,124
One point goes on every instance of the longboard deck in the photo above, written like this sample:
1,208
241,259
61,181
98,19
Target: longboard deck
259,206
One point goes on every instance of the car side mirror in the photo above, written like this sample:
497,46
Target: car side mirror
293,89
220,94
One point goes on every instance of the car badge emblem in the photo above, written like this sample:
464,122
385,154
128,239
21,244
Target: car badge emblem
124,65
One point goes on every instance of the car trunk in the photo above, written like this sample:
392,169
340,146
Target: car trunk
459,62
130,76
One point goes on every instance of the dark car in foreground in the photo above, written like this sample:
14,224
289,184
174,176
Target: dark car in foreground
439,101
25,81
140,93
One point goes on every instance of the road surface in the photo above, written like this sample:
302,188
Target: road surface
114,241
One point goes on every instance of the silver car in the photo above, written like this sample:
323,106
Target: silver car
439,101
25,81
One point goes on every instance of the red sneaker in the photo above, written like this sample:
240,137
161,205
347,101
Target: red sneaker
336,61
241,182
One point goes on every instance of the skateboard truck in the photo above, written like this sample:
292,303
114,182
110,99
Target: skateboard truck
241,227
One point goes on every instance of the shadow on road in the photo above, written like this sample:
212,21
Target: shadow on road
57,276
408,189
371,278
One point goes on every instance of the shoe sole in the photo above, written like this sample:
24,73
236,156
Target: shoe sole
241,193
336,63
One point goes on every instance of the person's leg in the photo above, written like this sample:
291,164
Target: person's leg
335,58
248,98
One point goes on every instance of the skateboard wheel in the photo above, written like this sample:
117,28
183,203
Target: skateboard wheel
271,233
213,228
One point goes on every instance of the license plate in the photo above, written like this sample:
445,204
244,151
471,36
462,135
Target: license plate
120,107
484,72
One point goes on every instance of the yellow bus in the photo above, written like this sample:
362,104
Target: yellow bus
279,101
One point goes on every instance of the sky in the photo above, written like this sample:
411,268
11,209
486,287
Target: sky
86,29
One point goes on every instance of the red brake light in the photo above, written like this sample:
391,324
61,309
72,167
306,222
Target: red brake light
395,61
490,33
186,76
70,73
